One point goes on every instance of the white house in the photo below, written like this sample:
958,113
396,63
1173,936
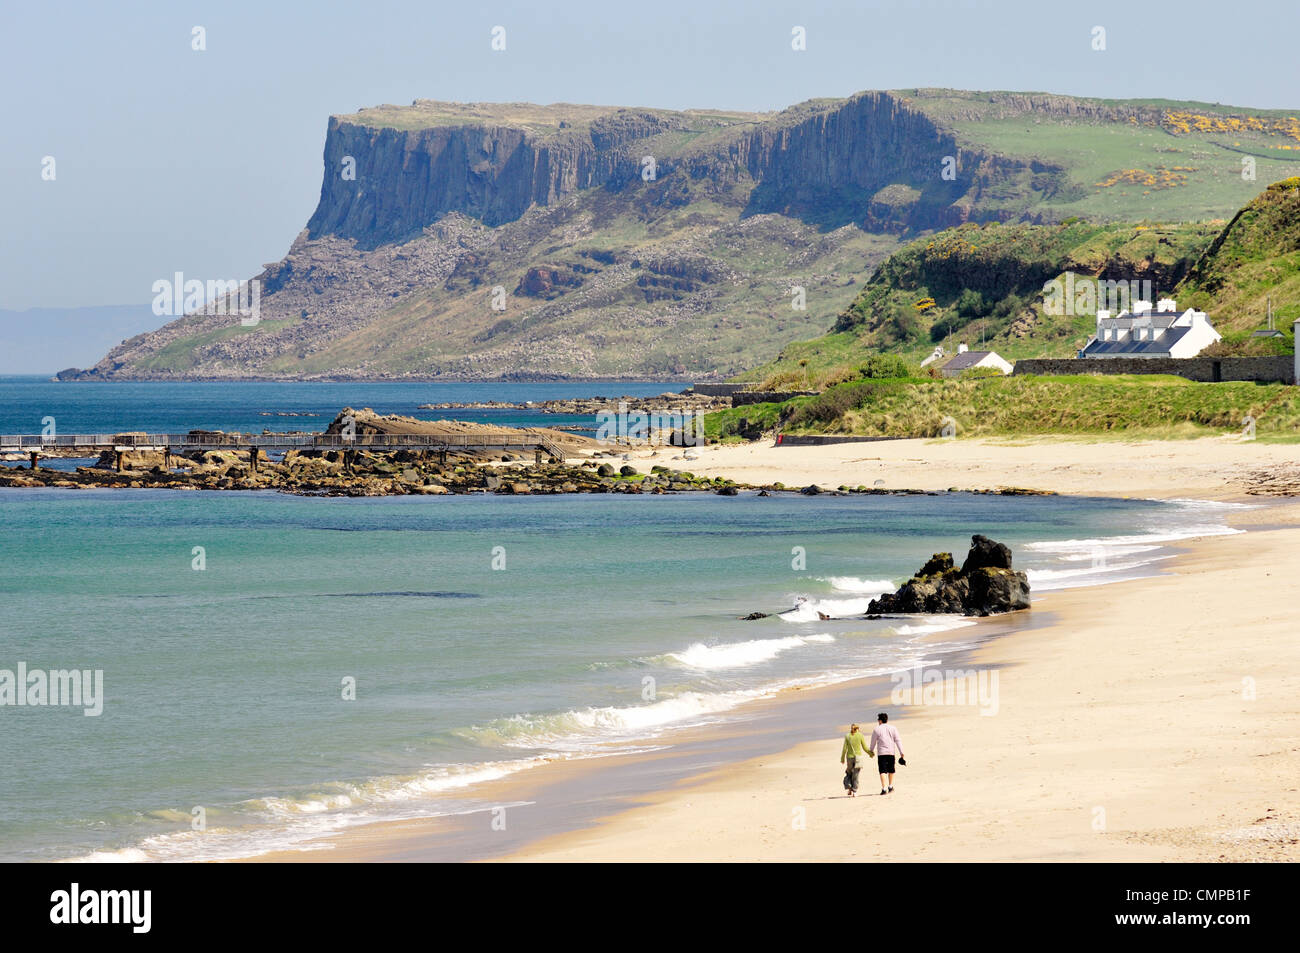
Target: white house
1142,332
935,355
968,360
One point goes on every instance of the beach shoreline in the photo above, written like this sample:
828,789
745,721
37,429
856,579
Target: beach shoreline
725,812
1111,749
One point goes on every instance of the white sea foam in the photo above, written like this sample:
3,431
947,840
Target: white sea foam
1111,552
1106,544
319,804
812,610
742,654
127,855
578,730
304,833
296,823
1049,580
853,584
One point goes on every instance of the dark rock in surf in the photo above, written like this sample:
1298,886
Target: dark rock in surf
984,585
986,553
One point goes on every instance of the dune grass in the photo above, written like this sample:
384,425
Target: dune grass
1090,406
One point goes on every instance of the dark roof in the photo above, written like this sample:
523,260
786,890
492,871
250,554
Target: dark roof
1160,346
1268,333
966,359
1159,319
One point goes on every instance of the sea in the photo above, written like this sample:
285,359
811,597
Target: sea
277,668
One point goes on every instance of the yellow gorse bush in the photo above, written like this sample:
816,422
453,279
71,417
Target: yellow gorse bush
1161,178
1185,122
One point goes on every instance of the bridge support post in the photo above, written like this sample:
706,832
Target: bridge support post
252,461
537,456
35,460
442,457
167,459
118,459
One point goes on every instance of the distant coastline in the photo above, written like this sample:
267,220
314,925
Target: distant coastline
74,375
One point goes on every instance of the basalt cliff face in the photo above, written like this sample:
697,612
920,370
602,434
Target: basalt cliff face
822,161
480,241
492,173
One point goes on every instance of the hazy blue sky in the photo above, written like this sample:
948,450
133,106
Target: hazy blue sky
209,162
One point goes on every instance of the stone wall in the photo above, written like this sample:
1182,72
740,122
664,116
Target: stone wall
1266,369
717,390
766,396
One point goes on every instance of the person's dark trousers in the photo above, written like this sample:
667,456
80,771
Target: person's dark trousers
851,774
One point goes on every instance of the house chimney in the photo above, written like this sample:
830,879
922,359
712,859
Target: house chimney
1140,307
962,349
1166,304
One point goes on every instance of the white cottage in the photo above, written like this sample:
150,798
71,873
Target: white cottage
1143,332
968,360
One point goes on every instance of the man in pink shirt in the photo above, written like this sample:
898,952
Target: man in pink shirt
886,743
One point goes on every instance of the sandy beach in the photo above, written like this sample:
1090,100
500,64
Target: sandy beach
1149,720
1208,468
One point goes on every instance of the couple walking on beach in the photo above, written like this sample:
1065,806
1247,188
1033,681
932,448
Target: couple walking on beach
884,746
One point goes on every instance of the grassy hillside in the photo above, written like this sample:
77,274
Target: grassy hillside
1254,260
983,286
1128,159
1153,406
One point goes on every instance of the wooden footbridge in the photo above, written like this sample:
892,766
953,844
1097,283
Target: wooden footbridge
254,444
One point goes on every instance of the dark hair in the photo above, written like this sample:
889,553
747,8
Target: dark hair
882,718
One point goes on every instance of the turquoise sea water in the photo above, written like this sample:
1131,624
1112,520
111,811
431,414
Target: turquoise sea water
251,407
613,621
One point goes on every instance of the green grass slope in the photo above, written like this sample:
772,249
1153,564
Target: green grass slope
983,286
1128,159
1146,406
1255,261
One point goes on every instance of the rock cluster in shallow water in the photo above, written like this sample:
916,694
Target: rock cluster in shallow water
984,585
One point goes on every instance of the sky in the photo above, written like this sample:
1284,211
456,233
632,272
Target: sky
208,162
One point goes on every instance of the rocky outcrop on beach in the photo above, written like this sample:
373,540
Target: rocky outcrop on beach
1277,480
363,473
984,585
365,422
